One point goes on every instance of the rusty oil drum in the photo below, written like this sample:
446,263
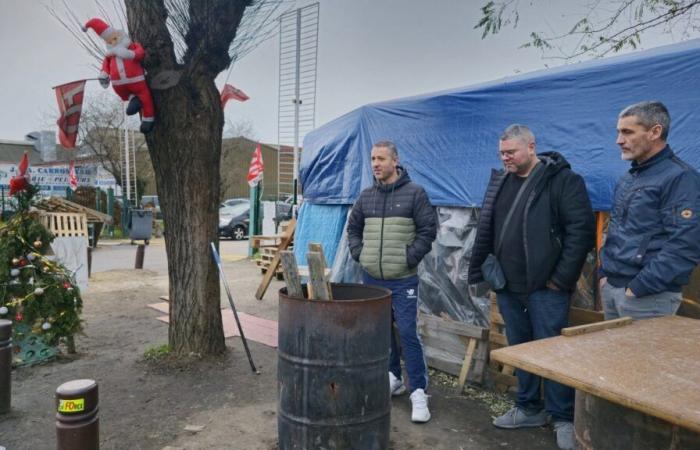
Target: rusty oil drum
332,371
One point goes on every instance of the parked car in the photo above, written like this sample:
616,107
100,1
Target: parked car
234,221
234,201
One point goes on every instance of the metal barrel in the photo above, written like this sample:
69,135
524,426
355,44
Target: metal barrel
77,422
603,425
5,365
332,372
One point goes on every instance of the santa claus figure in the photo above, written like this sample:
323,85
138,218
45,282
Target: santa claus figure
122,65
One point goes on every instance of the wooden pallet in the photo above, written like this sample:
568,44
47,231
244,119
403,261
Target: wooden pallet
65,224
454,347
503,375
267,256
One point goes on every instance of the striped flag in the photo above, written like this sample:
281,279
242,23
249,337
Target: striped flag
231,93
72,178
255,172
70,104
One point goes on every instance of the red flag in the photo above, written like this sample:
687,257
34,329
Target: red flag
72,178
70,103
20,181
255,172
231,93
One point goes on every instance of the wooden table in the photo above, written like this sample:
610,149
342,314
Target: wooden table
650,366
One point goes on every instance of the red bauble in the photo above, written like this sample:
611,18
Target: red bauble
67,285
22,262
19,317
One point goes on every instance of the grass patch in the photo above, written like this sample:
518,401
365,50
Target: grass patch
157,353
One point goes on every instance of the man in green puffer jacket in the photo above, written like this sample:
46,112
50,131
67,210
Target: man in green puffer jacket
390,229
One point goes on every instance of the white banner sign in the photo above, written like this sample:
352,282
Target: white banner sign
54,180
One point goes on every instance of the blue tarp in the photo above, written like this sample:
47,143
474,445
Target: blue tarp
448,140
322,224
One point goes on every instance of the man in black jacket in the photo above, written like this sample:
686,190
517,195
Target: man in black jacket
538,212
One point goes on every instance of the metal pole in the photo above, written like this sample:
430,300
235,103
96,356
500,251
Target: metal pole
217,259
140,253
77,422
5,365
110,209
297,102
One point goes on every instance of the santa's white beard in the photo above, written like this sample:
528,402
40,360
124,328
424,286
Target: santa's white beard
124,42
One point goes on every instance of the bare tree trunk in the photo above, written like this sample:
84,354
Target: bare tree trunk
185,148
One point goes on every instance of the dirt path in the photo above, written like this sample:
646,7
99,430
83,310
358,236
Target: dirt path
147,406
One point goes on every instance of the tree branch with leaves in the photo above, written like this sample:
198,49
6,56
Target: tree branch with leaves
606,27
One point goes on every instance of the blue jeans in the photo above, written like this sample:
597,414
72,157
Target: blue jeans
616,304
539,315
404,313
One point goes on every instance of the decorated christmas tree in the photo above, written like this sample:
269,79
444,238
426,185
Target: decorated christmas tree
38,294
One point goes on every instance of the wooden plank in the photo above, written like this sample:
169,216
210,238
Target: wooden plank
592,327
581,316
317,277
267,278
689,309
498,338
650,366
449,344
458,328
467,363
291,274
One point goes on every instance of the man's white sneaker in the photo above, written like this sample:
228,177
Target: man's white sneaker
419,400
396,386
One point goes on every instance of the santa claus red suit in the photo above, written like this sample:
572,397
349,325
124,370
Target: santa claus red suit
122,65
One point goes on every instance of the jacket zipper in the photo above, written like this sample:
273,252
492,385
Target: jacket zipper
381,240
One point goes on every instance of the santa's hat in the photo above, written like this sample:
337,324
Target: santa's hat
100,26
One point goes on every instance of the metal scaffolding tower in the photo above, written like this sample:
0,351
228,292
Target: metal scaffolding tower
127,144
297,93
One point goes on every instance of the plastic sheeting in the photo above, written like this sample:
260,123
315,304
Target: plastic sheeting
448,141
443,289
322,224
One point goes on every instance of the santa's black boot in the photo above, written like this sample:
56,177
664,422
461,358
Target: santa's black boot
146,127
134,106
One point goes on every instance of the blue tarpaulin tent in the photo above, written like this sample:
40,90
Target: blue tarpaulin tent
448,140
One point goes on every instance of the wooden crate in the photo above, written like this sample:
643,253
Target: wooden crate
65,224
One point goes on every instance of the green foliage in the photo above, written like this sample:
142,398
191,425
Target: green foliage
156,353
37,292
606,27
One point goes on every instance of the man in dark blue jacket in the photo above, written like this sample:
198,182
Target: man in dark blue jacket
653,240
536,221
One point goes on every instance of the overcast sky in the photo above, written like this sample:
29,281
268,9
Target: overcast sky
369,50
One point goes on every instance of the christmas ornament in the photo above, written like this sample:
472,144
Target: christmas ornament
45,326
38,291
3,310
15,261
23,262
67,286
19,316
122,65
37,244
14,272
31,256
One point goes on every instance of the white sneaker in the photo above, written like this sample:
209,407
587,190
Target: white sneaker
396,386
419,400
